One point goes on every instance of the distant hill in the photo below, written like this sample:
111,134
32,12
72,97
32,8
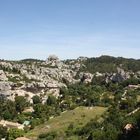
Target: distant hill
109,64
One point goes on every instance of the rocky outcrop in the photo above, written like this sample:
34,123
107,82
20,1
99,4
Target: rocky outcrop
53,61
3,76
47,77
21,92
5,86
98,74
52,58
6,65
86,77
118,77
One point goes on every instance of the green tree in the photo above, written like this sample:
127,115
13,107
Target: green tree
36,99
51,100
3,132
41,111
90,137
14,133
21,103
7,115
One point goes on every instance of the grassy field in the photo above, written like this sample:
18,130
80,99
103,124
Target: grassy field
79,117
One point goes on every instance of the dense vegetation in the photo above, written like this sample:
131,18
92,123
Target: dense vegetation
105,64
112,127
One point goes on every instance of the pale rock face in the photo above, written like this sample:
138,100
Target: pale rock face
41,85
124,74
54,92
3,76
28,95
29,85
22,71
86,77
47,77
120,76
98,74
34,77
29,109
117,78
6,65
120,71
54,61
52,85
4,86
53,58
5,94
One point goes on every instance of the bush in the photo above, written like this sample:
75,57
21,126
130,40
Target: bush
48,136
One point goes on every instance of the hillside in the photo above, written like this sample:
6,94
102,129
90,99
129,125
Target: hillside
37,93
77,117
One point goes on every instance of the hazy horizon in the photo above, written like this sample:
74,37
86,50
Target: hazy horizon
69,29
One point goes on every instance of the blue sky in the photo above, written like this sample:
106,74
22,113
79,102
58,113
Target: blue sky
69,28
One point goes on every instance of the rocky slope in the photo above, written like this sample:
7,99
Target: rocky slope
33,77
